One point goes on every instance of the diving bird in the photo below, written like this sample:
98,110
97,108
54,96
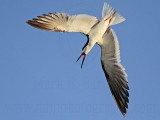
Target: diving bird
97,32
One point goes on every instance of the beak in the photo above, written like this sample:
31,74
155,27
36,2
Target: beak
83,58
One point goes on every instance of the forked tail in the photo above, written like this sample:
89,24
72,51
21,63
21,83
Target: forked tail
108,11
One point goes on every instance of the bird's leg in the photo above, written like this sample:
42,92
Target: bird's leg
83,54
107,19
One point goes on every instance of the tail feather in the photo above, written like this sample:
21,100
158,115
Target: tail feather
109,11
117,18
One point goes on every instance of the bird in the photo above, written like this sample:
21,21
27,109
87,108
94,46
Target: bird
97,32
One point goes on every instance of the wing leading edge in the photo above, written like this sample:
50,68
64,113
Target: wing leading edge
61,22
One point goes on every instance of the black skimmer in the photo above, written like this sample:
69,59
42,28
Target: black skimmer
97,32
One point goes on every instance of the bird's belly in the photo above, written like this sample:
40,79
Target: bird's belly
95,36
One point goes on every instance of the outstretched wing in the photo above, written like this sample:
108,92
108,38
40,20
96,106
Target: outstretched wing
62,22
114,71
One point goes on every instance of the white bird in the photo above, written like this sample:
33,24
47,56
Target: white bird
97,32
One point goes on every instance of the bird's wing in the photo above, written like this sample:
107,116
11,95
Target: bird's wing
114,71
62,22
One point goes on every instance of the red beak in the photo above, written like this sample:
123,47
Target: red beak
83,58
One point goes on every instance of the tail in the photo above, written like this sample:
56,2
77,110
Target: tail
109,11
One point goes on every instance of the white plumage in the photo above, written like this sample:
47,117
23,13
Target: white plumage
97,31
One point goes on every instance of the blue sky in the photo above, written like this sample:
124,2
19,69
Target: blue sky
40,80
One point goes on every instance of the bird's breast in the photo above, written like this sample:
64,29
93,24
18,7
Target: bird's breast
97,32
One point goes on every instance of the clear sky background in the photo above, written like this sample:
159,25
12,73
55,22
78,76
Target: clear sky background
39,76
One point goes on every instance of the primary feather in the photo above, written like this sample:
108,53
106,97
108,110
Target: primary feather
62,22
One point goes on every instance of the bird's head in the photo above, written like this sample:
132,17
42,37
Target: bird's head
85,51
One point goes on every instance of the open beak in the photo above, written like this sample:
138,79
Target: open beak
83,54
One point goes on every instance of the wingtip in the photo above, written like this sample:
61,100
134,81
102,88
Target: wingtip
122,111
28,21
124,115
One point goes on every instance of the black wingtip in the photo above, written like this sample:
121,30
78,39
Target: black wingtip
27,21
